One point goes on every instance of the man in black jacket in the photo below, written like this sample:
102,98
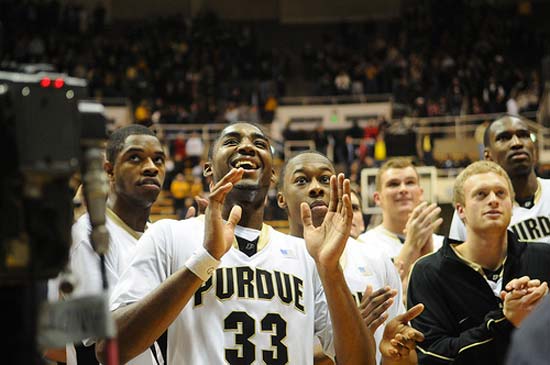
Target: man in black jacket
478,291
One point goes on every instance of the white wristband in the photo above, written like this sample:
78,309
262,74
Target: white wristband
202,264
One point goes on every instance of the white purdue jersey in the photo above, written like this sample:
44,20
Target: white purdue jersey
529,224
363,267
253,310
389,243
85,264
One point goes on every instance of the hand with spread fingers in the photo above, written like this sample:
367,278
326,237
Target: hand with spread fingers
374,306
399,341
327,242
219,235
422,223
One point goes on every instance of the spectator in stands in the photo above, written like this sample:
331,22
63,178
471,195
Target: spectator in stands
178,147
493,96
194,149
269,108
320,138
478,136
456,97
180,189
342,83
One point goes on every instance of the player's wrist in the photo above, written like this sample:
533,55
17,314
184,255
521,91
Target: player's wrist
202,263
511,317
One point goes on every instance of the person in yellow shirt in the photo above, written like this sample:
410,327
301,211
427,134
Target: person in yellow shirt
180,189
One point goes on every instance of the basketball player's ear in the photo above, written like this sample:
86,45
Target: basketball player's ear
487,154
376,198
460,211
281,201
207,171
109,170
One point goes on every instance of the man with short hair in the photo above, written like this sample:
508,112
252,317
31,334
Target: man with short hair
232,289
477,291
370,275
135,169
508,142
408,223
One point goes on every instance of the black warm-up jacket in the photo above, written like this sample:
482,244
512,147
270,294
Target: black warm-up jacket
463,322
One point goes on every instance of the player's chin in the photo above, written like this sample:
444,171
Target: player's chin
247,184
148,197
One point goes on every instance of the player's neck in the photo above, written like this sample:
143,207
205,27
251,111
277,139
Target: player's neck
135,217
394,225
525,186
487,249
296,230
251,217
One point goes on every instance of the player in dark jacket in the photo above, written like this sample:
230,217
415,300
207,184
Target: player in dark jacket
475,293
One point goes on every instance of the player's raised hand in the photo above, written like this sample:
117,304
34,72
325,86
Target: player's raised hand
374,306
219,235
422,223
327,242
399,338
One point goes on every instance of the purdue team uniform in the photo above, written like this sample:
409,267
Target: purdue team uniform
85,265
389,243
530,221
264,308
363,267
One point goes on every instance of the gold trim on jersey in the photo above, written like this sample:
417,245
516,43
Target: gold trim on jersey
388,233
425,352
119,222
536,196
263,240
538,192
494,320
475,266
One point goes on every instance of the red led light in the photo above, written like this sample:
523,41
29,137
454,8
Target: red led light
58,83
45,82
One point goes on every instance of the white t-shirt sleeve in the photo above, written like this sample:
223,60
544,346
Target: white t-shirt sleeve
323,325
150,266
457,230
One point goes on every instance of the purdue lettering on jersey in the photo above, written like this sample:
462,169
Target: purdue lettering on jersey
253,283
532,229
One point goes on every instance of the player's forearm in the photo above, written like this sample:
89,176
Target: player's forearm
404,262
353,342
141,323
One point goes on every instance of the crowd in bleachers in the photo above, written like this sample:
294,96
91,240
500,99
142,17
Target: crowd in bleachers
439,58
181,70
194,71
